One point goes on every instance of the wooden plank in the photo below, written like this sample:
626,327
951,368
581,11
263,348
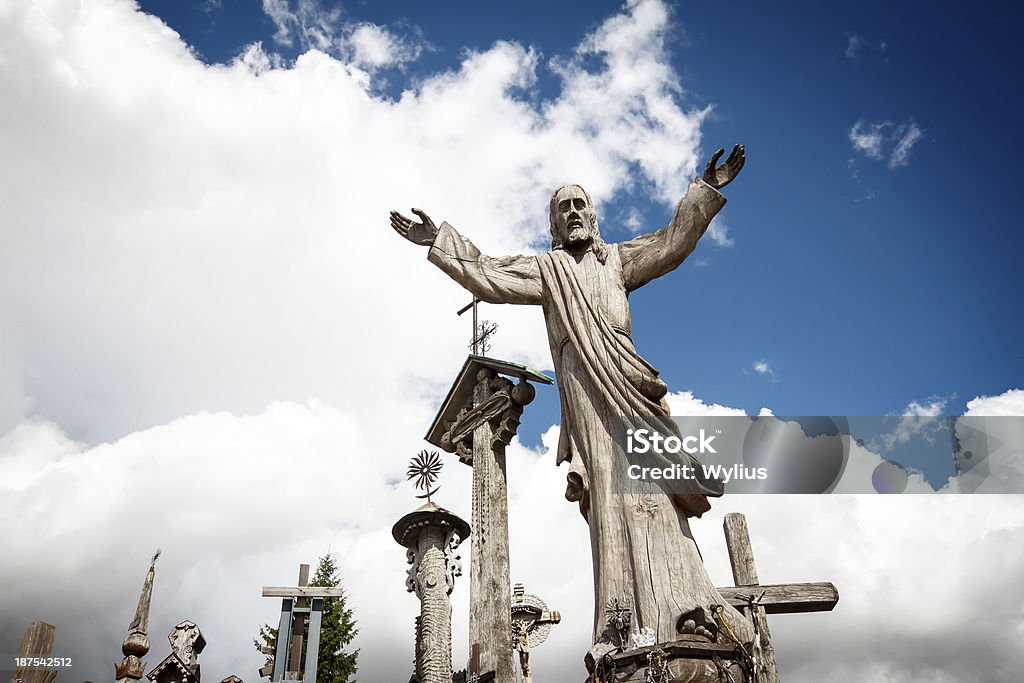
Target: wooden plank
741,554
303,591
744,573
788,598
298,625
38,640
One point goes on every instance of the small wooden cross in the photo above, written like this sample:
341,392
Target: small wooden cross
289,630
482,331
756,600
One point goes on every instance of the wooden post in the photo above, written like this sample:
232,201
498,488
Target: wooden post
490,608
38,641
477,421
295,657
744,573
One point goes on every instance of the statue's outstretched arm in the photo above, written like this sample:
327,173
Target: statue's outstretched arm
650,256
496,280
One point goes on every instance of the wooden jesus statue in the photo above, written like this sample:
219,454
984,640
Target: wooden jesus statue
643,552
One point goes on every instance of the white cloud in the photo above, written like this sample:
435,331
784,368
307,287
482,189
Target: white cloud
763,367
854,43
857,44
373,47
1008,403
719,234
309,21
906,137
929,407
885,140
868,138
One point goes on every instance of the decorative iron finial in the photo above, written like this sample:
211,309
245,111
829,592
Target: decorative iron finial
424,468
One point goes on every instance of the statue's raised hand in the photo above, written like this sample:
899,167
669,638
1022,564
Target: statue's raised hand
423,232
723,175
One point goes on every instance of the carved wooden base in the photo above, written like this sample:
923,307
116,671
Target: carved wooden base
683,661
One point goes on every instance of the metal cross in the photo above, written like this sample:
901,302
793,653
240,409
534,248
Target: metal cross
482,331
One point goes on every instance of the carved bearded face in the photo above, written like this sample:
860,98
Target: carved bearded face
573,219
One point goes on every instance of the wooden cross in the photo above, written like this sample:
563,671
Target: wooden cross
482,331
289,631
756,600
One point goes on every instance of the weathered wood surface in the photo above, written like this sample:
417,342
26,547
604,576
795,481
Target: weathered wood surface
790,598
692,661
490,617
744,573
298,625
38,641
303,591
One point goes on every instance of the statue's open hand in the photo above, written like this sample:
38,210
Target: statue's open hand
727,172
423,232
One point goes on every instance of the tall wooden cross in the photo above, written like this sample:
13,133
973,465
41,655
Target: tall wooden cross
756,600
482,331
294,607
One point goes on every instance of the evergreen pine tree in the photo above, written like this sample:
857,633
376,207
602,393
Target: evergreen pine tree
337,629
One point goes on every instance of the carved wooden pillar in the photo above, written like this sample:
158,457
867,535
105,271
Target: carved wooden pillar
136,644
431,534
477,421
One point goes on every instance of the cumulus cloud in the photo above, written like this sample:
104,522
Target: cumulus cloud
885,140
373,47
1008,403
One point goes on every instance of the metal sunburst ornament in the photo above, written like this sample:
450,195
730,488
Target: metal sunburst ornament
424,468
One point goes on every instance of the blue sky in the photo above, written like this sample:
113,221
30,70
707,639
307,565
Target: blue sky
862,285
213,343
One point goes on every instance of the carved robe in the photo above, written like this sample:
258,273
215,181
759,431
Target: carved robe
643,551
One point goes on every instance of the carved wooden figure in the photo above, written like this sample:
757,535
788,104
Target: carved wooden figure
643,552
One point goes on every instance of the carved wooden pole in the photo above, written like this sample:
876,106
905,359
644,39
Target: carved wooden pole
136,644
477,421
431,534
489,621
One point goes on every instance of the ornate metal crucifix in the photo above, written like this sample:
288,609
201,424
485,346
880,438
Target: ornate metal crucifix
482,331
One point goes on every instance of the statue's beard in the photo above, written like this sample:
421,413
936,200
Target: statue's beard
580,235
